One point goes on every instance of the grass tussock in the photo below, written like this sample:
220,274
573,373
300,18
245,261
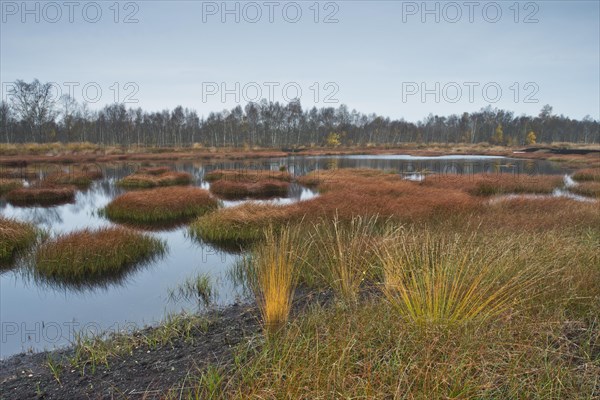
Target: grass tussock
342,254
90,255
160,205
155,177
81,177
264,189
273,274
41,196
247,175
496,184
587,188
15,237
18,173
6,185
588,174
440,279
241,225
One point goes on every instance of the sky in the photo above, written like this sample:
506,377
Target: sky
400,59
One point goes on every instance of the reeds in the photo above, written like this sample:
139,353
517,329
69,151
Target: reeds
15,237
260,190
445,279
94,255
160,205
41,196
155,177
272,271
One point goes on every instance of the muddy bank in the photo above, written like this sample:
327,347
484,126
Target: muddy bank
144,374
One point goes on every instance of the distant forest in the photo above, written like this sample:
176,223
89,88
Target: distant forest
31,115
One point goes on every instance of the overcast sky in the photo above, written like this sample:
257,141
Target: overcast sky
398,59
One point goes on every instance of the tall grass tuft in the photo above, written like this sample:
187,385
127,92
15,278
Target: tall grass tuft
94,255
445,279
14,237
272,271
343,253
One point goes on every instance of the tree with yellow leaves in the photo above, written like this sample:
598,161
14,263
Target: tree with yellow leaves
531,138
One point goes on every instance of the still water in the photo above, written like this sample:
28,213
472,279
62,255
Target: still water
36,315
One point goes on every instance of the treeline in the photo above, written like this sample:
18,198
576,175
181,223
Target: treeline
32,115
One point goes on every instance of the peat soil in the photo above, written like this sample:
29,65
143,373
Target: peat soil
147,373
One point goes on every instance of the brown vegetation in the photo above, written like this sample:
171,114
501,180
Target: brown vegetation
259,190
160,205
590,188
247,175
46,195
90,255
155,177
14,237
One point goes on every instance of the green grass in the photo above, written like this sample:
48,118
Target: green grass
88,256
15,237
452,279
91,352
198,287
342,252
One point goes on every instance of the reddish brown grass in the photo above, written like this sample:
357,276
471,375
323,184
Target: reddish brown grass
247,175
590,188
259,190
587,174
493,184
156,178
41,196
6,185
160,205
